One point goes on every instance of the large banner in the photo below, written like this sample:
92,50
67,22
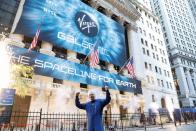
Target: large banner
66,70
73,25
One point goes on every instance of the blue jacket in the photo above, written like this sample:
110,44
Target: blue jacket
94,112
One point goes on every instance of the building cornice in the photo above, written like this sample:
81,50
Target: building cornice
150,13
171,92
176,48
124,6
176,55
181,65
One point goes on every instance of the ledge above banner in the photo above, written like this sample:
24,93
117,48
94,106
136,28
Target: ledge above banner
66,70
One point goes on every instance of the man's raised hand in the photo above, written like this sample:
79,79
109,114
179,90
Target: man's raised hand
77,94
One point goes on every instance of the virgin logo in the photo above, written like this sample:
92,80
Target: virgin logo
85,24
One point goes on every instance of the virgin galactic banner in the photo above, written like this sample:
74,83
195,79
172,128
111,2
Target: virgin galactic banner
67,70
73,25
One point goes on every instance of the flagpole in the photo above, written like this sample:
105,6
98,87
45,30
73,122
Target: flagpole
89,53
124,65
85,59
41,21
37,33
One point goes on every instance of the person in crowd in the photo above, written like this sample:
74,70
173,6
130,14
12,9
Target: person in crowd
177,117
94,109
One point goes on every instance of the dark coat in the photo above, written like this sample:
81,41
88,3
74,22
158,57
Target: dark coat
94,111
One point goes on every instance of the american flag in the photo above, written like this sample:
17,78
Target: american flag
130,67
94,56
35,39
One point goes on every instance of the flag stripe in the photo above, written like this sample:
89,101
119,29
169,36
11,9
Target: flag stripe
35,39
94,58
130,67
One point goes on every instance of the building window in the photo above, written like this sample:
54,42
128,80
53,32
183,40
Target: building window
162,59
160,71
152,46
58,81
165,72
168,74
121,92
150,66
86,2
103,65
153,98
162,83
157,57
165,61
165,34
146,65
167,41
117,67
194,103
153,38
156,69
193,83
155,48
83,85
153,55
60,52
158,81
144,32
148,53
163,52
152,79
170,85
150,35
146,43
172,100
81,57
142,41
167,84
144,51
101,9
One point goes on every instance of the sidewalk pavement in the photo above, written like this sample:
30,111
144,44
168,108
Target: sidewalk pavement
183,127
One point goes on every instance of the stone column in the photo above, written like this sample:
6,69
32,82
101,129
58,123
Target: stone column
121,20
17,39
46,48
135,50
194,77
94,4
72,56
18,15
182,80
125,72
45,82
190,83
108,12
111,68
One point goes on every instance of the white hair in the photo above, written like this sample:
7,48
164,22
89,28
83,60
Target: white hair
92,92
